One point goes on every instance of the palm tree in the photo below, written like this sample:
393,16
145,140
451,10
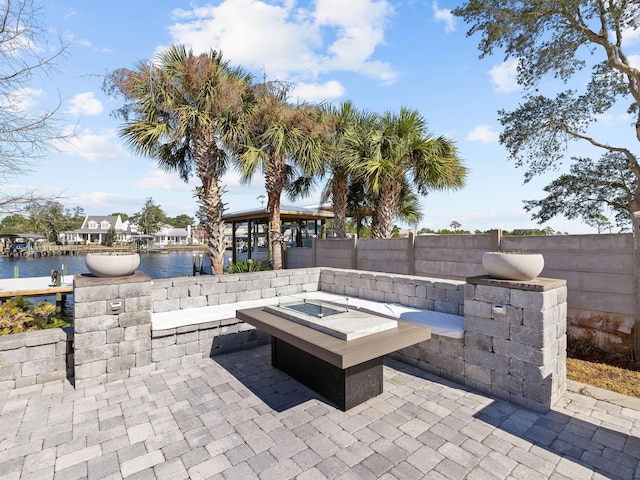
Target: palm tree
180,111
403,151
345,150
284,141
360,205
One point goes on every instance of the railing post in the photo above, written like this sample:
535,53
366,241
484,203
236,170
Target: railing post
314,246
411,254
636,279
354,263
496,239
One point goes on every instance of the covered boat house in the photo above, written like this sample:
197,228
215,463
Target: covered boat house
248,230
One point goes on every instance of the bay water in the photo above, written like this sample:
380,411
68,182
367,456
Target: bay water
156,265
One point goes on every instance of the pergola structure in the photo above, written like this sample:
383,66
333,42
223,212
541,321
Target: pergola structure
250,229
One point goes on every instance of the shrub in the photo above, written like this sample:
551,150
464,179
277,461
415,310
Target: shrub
249,265
17,315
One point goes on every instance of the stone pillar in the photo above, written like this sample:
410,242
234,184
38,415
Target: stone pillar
112,327
515,339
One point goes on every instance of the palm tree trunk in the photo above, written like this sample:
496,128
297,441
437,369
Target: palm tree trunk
385,209
275,179
339,193
275,230
209,195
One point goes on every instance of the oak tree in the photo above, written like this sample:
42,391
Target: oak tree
563,40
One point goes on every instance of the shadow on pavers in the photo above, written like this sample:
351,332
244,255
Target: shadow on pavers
275,388
601,446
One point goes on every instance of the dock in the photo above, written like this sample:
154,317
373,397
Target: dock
34,287
40,251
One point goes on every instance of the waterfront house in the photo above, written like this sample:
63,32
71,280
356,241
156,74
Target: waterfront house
95,229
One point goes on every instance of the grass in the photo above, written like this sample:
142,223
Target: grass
590,365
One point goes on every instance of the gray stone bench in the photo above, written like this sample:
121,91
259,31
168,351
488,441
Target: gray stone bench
195,316
442,324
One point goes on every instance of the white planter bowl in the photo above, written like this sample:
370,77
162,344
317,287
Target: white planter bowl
513,266
112,264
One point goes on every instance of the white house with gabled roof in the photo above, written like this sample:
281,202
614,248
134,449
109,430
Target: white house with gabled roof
95,229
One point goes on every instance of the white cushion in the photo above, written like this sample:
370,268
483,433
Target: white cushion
444,324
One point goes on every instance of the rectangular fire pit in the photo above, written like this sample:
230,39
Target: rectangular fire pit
334,318
346,372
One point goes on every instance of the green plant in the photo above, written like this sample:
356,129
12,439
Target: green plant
17,315
249,265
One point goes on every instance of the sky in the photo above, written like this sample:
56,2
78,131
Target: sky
379,54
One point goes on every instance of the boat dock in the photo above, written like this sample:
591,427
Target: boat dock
36,287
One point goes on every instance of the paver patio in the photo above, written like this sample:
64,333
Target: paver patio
235,417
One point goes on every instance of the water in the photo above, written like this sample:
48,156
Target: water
156,265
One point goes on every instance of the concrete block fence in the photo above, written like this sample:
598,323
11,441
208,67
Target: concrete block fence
602,271
513,347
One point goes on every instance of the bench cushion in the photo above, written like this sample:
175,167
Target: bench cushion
193,316
444,324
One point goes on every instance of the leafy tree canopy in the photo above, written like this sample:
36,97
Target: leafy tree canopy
50,218
560,39
181,221
123,216
27,133
150,218
587,189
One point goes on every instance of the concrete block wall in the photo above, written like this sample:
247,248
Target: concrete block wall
515,337
601,271
180,293
112,328
336,253
191,342
442,356
391,255
31,358
514,345
435,294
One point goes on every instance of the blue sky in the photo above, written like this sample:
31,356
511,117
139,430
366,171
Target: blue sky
379,54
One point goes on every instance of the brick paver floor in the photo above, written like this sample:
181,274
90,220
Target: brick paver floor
234,417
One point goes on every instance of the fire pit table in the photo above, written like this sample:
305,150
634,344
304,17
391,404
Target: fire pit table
332,348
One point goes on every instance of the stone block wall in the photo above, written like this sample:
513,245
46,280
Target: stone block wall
440,355
192,342
514,345
516,337
112,327
180,293
435,294
33,357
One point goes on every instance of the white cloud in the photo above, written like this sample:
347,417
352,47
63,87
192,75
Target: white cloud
634,61
104,145
288,41
444,15
503,76
104,203
314,92
611,119
629,36
85,104
22,100
483,134
161,180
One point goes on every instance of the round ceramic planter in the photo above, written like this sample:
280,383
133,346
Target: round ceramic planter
112,264
513,266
